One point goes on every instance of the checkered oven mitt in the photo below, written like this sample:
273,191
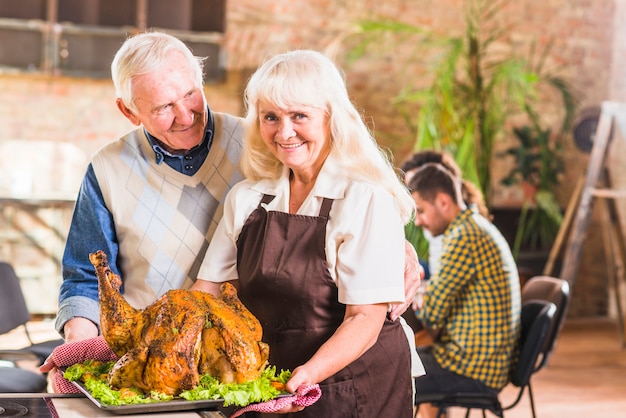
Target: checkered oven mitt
306,395
77,352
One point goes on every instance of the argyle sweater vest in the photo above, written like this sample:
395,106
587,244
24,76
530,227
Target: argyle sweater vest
164,219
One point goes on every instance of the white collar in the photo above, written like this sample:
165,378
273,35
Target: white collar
331,182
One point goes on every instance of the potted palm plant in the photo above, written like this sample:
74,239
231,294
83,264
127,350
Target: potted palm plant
537,165
476,92
476,89
480,86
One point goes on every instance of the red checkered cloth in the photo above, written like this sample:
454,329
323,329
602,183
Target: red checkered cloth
77,352
306,395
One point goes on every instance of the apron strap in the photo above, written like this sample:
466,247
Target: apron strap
267,198
325,209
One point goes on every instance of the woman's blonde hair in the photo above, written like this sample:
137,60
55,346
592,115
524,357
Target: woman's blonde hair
305,77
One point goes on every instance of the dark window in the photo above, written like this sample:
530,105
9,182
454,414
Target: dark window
23,9
87,54
80,37
208,16
122,12
21,48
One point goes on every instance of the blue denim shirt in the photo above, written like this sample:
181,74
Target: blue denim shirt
93,228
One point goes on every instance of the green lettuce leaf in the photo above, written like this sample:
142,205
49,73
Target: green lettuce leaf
94,376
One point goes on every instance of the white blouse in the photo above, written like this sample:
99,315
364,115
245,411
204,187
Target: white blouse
364,236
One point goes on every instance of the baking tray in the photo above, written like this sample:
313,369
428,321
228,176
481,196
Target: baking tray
160,406
179,404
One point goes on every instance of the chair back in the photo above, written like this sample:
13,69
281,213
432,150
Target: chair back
14,313
537,318
13,309
553,290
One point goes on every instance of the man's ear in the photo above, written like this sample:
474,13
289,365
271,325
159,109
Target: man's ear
442,201
446,205
127,112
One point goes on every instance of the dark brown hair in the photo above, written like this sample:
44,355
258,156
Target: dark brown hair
433,178
471,194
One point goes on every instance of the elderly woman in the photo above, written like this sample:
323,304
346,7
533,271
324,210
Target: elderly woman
313,239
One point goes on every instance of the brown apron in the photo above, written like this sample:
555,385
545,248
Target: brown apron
284,280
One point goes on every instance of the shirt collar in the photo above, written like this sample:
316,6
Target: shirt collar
462,217
331,182
160,153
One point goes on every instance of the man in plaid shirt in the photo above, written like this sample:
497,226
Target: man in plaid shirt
472,306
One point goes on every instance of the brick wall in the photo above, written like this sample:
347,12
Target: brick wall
588,48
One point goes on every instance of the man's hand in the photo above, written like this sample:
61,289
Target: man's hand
76,329
413,274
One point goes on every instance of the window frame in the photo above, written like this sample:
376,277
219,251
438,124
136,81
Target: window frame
54,47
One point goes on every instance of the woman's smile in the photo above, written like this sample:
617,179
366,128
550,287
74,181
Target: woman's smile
291,146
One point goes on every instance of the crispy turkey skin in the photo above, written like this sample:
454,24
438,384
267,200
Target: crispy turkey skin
183,334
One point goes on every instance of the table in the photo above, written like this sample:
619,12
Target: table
52,405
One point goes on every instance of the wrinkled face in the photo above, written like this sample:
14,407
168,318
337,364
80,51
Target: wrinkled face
298,136
429,215
170,105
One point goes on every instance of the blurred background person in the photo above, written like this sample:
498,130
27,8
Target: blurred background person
472,196
472,306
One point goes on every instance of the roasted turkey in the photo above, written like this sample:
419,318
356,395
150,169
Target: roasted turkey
182,335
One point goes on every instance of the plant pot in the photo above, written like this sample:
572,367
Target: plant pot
530,192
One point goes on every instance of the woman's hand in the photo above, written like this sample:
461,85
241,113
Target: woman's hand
299,376
357,333
413,274
207,286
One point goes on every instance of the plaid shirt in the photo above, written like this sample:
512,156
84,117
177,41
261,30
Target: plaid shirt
475,300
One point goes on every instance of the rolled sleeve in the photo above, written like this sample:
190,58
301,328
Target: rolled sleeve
92,228
77,307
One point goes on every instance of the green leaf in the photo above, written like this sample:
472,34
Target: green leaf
209,388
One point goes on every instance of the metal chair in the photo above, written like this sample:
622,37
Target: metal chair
16,380
537,319
13,314
553,290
